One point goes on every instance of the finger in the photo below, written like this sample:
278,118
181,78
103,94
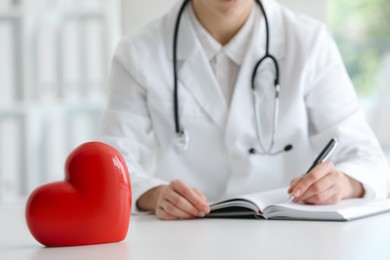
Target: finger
330,196
332,200
189,194
162,214
318,187
320,198
293,183
313,176
183,204
174,211
203,196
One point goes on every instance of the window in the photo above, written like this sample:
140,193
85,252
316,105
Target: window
54,65
361,29
362,32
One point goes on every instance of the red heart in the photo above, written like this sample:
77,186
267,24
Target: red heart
91,206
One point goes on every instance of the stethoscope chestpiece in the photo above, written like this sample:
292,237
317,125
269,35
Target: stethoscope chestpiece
182,141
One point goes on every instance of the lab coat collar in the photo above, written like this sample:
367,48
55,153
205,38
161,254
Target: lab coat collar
210,45
195,72
235,49
186,42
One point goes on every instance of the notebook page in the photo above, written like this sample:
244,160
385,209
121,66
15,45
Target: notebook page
345,209
254,201
366,209
266,198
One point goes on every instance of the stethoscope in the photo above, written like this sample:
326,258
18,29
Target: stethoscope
182,137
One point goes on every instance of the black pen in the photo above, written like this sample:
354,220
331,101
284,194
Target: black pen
324,155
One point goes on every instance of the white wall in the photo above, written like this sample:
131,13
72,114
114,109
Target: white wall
136,12
54,61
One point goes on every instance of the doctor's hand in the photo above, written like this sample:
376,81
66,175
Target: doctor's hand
177,200
325,185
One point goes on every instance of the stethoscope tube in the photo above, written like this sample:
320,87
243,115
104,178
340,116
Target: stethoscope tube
182,142
175,78
267,54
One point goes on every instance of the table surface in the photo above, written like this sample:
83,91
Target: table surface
150,238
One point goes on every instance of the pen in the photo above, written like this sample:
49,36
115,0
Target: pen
322,157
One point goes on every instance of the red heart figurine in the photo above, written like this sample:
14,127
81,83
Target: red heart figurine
91,206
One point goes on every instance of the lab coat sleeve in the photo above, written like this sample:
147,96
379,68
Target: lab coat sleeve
126,122
334,111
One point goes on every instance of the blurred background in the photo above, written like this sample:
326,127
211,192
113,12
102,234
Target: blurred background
55,58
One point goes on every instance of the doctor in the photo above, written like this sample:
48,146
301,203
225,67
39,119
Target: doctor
231,97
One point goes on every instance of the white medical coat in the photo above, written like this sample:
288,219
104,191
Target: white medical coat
317,102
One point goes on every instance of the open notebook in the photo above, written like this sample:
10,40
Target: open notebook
273,204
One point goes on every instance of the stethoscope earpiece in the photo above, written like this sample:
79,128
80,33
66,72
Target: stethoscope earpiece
253,151
288,147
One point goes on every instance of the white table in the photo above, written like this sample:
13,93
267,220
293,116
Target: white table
150,238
